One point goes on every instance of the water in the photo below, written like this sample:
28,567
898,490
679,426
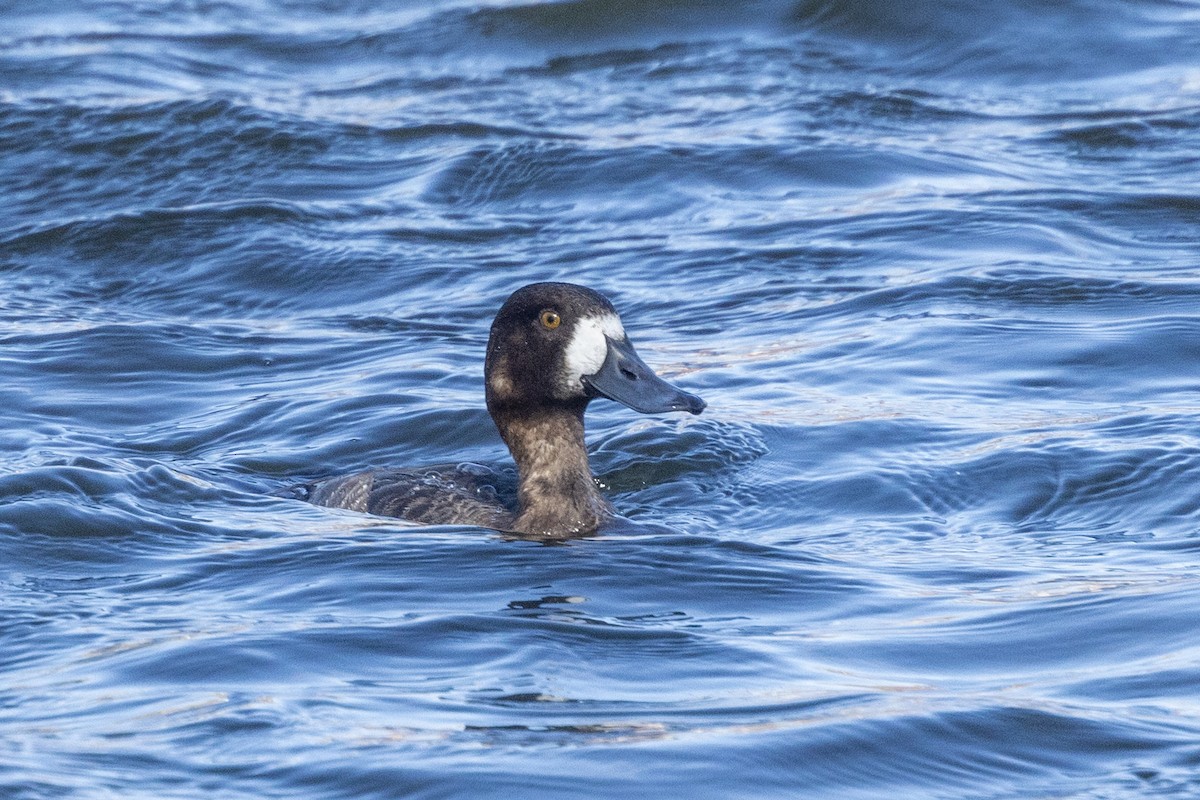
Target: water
934,267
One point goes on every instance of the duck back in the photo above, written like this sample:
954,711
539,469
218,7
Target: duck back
445,494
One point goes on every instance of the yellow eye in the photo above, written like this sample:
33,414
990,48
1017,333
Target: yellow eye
550,320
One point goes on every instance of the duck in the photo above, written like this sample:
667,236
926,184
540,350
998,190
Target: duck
553,348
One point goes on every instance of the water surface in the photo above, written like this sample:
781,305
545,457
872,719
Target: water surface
933,266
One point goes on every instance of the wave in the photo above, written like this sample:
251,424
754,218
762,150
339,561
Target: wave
1007,41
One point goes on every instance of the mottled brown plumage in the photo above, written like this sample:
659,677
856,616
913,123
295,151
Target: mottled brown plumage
444,494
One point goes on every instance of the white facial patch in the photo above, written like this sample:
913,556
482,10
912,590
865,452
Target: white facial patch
588,348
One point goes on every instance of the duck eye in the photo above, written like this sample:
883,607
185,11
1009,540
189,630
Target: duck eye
550,320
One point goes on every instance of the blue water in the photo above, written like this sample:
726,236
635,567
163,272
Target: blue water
935,267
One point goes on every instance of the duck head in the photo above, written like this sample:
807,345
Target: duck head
559,344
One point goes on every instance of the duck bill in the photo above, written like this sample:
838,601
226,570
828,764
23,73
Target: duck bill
624,377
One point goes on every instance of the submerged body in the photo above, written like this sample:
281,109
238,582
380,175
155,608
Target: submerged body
553,348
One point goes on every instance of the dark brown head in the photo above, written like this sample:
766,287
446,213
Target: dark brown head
558,344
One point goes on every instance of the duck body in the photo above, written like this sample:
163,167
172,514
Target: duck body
553,348
441,494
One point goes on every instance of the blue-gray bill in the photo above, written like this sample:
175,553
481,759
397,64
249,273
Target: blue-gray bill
624,377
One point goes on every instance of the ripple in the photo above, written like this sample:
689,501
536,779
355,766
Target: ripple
933,535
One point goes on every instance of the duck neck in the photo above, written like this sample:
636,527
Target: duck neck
556,491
